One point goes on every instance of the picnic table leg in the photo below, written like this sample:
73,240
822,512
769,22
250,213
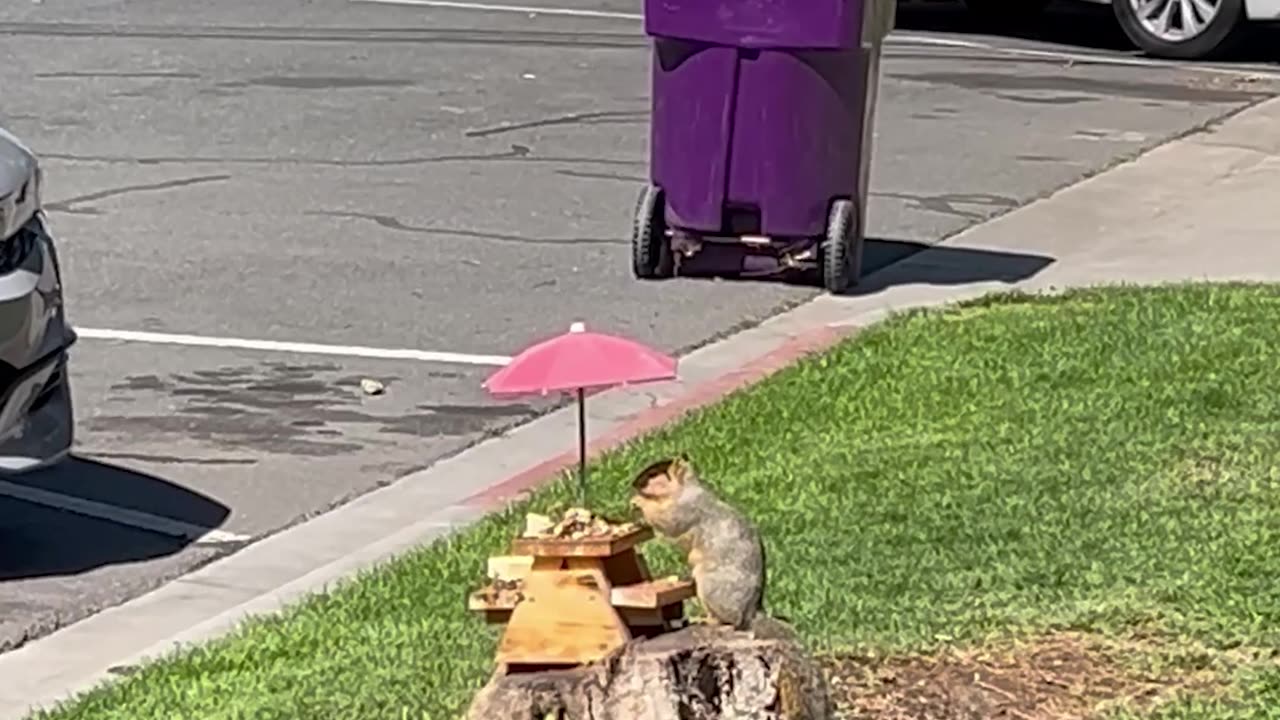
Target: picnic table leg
566,617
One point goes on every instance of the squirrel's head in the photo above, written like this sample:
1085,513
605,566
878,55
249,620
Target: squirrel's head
660,484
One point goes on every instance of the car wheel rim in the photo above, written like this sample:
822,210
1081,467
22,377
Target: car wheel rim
1176,20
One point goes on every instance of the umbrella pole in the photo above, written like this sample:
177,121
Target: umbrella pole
582,447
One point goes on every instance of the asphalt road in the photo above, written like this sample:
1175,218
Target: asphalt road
358,174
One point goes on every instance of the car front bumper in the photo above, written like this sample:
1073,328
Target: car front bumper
37,426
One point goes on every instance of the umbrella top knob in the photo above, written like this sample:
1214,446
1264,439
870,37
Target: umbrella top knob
578,327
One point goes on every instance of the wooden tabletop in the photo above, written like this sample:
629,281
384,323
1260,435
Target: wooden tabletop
599,547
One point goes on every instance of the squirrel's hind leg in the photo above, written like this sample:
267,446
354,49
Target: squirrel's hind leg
729,605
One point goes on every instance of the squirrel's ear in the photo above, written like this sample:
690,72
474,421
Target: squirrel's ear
653,470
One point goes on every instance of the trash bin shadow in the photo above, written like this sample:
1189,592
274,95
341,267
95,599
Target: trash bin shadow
892,262
40,540
910,263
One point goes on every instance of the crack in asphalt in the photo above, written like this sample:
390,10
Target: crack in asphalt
995,83
602,176
455,36
518,153
570,119
393,223
68,205
168,459
157,75
945,203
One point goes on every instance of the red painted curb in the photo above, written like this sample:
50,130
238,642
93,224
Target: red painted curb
796,347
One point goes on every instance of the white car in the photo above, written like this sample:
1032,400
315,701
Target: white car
1180,29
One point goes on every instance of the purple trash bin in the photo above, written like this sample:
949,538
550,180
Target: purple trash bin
760,134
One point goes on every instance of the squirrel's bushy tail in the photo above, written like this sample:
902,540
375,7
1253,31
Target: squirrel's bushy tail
765,627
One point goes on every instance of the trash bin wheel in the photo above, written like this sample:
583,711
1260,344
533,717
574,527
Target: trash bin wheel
841,252
651,257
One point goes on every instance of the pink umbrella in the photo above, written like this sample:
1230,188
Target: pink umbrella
576,361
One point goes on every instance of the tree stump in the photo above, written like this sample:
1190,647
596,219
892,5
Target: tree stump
698,673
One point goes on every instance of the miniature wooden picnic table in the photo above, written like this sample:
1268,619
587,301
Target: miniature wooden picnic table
580,599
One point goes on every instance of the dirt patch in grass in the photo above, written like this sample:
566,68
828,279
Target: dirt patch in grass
1065,676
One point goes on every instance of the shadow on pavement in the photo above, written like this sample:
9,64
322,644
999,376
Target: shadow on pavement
37,540
884,266
1079,24
1082,25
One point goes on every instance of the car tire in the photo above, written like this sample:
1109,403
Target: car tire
1006,11
1219,34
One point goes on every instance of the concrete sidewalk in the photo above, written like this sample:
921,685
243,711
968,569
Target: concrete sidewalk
1197,208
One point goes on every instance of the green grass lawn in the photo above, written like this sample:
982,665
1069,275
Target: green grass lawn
1101,462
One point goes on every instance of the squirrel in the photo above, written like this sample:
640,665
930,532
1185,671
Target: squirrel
724,548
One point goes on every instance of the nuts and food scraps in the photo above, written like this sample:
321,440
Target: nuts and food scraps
502,592
575,524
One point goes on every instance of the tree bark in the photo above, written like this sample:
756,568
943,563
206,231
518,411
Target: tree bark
698,673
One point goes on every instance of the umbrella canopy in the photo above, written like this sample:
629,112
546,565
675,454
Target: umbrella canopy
579,360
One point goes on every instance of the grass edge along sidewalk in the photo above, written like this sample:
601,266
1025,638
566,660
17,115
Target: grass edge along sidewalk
1008,495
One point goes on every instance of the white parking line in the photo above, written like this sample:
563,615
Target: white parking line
302,348
196,534
897,39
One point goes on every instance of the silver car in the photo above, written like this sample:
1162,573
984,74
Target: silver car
36,425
